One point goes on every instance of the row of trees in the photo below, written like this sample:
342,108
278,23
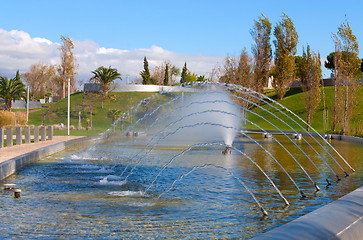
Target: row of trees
284,67
166,74
254,71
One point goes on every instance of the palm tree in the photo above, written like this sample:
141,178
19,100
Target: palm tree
114,115
105,76
11,89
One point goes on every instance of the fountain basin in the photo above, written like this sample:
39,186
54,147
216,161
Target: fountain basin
150,207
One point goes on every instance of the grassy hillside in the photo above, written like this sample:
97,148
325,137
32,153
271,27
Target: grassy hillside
83,104
294,101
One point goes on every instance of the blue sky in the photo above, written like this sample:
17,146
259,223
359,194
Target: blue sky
181,30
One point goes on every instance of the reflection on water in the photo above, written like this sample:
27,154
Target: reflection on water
85,195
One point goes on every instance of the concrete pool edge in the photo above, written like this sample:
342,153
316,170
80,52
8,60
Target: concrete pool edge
341,219
13,165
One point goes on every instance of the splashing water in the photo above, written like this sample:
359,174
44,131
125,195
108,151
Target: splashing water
201,107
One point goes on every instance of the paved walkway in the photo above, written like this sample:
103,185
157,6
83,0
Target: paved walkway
7,153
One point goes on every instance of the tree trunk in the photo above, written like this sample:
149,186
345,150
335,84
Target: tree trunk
8,105
335,106
346,106
63,90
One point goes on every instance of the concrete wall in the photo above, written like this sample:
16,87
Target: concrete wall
20,104
95,87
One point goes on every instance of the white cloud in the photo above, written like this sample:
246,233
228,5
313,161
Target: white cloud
18,50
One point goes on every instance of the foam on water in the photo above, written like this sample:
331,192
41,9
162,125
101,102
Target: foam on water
83,157
112,180
127,193
88,166
140,204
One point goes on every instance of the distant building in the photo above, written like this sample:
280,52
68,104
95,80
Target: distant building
21,104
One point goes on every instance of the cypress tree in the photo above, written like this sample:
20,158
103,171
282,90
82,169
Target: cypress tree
166,77
145,74
184,74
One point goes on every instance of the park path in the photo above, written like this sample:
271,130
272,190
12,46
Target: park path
7,153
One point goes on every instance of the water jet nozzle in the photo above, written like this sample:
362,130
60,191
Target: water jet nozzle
264,211
286,202
302,194
17,193
338,178
316,187
227,150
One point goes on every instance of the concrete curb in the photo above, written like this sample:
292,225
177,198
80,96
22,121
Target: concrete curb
341,219
14,165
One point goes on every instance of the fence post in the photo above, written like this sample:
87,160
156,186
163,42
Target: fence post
27,134
19,136
50,132
43,133
1,138
36,134
9,137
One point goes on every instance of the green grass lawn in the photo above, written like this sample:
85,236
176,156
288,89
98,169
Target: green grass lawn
294,101
83,104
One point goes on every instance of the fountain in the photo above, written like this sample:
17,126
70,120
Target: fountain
187,168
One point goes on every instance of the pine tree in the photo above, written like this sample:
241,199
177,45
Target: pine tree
145,74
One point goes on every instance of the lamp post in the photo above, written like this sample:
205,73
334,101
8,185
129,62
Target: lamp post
69,106
27,103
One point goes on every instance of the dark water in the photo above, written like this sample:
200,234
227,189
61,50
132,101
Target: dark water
84,195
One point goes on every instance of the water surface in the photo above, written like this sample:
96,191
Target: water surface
84,194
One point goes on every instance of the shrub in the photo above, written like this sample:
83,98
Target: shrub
12,119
